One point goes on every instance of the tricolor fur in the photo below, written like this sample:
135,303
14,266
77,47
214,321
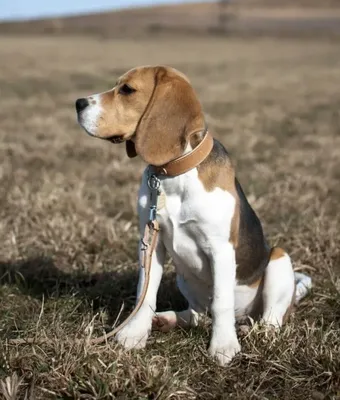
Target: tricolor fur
224,266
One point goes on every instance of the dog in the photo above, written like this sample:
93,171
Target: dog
224,265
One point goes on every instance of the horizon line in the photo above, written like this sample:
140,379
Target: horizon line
69,14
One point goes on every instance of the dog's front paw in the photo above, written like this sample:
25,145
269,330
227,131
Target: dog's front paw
224,351
133,336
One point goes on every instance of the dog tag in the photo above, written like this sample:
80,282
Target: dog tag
161,201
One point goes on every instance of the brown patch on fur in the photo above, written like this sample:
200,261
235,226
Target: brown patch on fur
235,224
276,253
218,172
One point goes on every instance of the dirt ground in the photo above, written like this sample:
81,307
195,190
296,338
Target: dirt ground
68,222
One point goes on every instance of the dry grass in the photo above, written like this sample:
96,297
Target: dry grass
68,224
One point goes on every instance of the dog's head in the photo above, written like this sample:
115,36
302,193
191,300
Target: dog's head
153,109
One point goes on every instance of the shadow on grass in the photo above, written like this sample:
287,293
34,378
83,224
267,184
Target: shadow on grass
39,278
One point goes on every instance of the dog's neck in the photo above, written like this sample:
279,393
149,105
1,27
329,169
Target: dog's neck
197,151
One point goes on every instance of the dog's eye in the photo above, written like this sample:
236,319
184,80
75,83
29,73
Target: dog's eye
126,89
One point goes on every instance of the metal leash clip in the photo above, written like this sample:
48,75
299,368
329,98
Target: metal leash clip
154,184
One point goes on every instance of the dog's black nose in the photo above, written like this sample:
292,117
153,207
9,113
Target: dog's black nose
81,104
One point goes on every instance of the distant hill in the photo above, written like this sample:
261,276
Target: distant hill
242,16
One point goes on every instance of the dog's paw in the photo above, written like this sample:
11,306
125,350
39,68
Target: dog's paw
243,330
223,352
133,336
164,321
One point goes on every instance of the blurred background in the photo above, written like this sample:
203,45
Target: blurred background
267,73
128,18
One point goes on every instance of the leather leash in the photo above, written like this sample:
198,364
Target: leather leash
148,243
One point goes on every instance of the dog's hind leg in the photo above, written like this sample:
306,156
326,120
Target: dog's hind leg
279,288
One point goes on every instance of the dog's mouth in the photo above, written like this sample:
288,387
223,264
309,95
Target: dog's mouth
116,139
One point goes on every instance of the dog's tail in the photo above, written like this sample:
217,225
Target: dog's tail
303,285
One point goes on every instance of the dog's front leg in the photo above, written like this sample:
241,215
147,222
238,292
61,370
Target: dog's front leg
136,332
224,344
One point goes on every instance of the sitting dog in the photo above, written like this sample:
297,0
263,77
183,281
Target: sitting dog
223,263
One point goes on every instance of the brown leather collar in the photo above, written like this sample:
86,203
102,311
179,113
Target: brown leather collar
189,160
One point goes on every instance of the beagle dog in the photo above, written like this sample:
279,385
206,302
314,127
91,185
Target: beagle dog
223,262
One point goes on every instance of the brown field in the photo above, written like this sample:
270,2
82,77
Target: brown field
68,223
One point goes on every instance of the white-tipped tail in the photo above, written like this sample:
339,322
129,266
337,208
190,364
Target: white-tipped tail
303,285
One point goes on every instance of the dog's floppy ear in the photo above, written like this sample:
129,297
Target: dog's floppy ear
130,149
173,113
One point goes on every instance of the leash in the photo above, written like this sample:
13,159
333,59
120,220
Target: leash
148,244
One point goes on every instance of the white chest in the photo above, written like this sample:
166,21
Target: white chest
191,220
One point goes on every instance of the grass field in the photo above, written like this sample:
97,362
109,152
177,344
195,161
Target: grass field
68,223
